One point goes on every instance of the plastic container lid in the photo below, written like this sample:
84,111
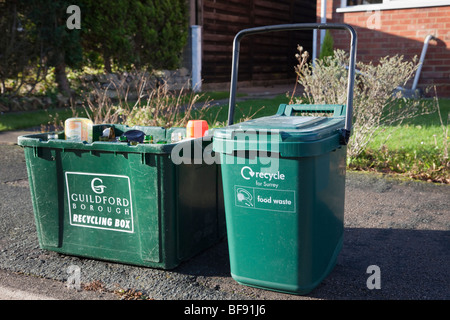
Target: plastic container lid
134,135
291,136
288,128
196,128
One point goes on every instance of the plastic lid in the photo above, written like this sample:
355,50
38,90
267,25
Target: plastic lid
134,135
277,122
290,136
196,128
291,128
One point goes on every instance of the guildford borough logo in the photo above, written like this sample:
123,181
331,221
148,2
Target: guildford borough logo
99,201
99,189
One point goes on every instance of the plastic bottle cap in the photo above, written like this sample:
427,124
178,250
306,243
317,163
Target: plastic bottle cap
134,135
196,128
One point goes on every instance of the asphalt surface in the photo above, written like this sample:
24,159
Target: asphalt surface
402,227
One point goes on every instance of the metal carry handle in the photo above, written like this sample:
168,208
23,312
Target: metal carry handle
297,26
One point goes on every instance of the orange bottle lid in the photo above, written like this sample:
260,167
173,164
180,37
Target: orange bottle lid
196,128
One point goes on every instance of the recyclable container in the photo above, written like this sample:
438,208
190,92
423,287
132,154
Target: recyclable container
125,203
284,187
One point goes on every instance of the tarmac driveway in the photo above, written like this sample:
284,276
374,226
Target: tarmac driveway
402,228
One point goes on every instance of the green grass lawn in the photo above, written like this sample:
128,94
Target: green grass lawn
22,120
217,116
425,131
415,148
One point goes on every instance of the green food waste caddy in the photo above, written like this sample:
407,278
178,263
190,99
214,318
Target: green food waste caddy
131,204
284,186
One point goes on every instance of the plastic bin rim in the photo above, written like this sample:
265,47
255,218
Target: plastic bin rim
38,140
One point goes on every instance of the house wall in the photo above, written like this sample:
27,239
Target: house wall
400,31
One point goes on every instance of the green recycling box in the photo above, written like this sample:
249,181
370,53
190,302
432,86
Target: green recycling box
283,182
133,204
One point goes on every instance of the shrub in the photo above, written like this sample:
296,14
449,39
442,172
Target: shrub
375,103
136,99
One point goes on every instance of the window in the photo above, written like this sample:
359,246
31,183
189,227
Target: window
365,5
359,2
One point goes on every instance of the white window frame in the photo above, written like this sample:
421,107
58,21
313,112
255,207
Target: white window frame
392,4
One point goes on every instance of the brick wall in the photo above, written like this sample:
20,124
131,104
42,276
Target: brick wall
400,31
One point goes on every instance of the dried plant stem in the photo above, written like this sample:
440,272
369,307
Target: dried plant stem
141,103
376,103
445,131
